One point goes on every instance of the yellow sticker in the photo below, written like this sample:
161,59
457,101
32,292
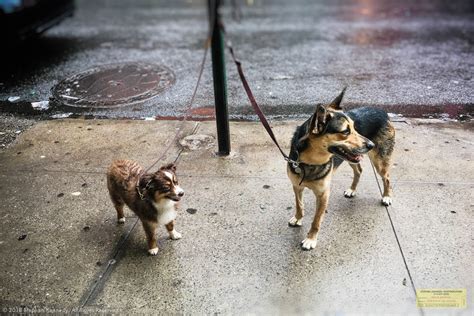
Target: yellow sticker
441,298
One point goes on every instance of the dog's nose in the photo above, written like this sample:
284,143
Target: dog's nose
180,194
369,145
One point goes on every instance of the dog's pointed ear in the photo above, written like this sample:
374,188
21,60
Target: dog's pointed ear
318,120
336,103
170,166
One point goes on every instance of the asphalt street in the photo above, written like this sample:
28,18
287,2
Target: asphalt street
413,58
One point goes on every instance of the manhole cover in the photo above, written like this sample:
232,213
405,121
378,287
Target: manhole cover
113,85
197,141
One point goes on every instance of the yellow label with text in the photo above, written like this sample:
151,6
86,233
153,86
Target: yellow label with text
441,298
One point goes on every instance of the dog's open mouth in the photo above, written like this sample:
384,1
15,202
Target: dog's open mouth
345,154
174,198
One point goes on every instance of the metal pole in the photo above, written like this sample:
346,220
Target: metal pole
219,78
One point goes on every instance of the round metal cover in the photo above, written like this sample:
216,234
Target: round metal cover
113,85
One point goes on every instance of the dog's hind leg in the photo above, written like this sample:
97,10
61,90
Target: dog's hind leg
118,204
297,220
357,172
381,157
382,165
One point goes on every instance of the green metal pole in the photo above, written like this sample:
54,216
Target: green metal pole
219,78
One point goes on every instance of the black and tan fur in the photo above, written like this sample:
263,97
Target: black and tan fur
152,196
323,142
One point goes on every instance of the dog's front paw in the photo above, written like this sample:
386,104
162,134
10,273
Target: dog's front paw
153,251
175,235
349,193
387,200
309,243
294,222
121,220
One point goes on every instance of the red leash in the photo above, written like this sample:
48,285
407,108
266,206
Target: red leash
256,107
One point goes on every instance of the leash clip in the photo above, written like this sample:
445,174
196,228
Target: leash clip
295,165
140,193
142,196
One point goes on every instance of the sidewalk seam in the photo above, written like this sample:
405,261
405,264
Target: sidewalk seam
102,278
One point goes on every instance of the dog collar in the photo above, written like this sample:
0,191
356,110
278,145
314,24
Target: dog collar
140,193
310,172
294,164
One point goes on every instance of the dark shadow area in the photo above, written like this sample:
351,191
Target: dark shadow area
27,59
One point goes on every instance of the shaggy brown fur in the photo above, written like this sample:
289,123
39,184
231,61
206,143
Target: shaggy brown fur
153,197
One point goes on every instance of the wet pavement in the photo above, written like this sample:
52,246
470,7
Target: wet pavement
61,249
414,58
113,85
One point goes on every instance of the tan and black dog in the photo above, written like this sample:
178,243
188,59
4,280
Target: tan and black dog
323,142
152,196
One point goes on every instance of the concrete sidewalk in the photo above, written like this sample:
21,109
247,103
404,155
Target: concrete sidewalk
61,249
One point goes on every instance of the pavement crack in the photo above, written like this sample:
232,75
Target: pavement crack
102,277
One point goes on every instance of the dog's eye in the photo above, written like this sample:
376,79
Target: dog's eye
346,132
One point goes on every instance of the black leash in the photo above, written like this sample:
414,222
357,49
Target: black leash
396,237
188,109
187,112
181,125
96,288
207,44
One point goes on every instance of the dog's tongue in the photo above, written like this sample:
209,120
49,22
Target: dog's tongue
357,157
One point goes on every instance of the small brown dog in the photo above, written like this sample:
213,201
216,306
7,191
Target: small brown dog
152,196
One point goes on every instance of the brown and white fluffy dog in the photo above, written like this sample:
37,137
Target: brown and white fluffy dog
152,196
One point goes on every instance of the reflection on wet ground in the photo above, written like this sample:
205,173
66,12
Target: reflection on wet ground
412,57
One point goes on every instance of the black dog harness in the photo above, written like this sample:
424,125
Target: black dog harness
311,172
